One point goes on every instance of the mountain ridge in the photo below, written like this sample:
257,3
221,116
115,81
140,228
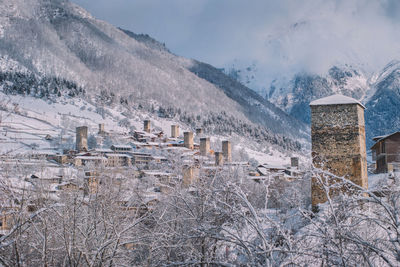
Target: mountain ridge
60,39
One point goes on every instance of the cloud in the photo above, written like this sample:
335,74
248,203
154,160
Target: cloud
282,36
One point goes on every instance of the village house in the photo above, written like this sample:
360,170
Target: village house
118,160
386,152
68,186
144,137
121,148
160,159
102,151
87,160
60,159
139,158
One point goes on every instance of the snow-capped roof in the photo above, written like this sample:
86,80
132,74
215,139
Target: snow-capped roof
121,146
118,155
90,158
103,150
335,100
378,139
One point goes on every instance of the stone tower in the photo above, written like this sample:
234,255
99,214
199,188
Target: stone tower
190,175
204,146
227,151
174,131
81,138
188,140
101,128
338,142
146,126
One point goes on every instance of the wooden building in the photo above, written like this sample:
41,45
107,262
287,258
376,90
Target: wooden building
121,148
386,152
139,158
118,160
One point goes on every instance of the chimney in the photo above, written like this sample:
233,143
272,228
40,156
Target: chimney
227,150
174,131
188,140
294,162
204,146
81,138
219,159
146,126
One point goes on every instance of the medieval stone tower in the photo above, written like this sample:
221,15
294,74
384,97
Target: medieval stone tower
227,151
174,131
81,138
146,126
188,140
338,142
101,129
204,146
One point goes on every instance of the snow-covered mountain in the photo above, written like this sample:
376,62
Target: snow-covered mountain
295,95
380,92
383,113
56,38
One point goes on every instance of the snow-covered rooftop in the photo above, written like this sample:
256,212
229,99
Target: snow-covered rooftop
118,155
335,100
104,150
91,158
121,146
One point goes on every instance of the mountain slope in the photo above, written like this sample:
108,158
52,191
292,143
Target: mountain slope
383,113
379,92
59,39
295,96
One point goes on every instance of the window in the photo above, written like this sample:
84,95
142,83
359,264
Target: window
383,147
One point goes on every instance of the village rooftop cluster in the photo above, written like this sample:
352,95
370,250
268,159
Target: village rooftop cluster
153,161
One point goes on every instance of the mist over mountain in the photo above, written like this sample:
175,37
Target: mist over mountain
378,91
56,38
282,37
295,95
288,51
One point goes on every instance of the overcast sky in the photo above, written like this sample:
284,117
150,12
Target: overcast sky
280,36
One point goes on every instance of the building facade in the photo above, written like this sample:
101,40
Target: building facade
386,152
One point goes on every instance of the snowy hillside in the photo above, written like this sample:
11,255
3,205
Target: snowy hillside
33,125
59,39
